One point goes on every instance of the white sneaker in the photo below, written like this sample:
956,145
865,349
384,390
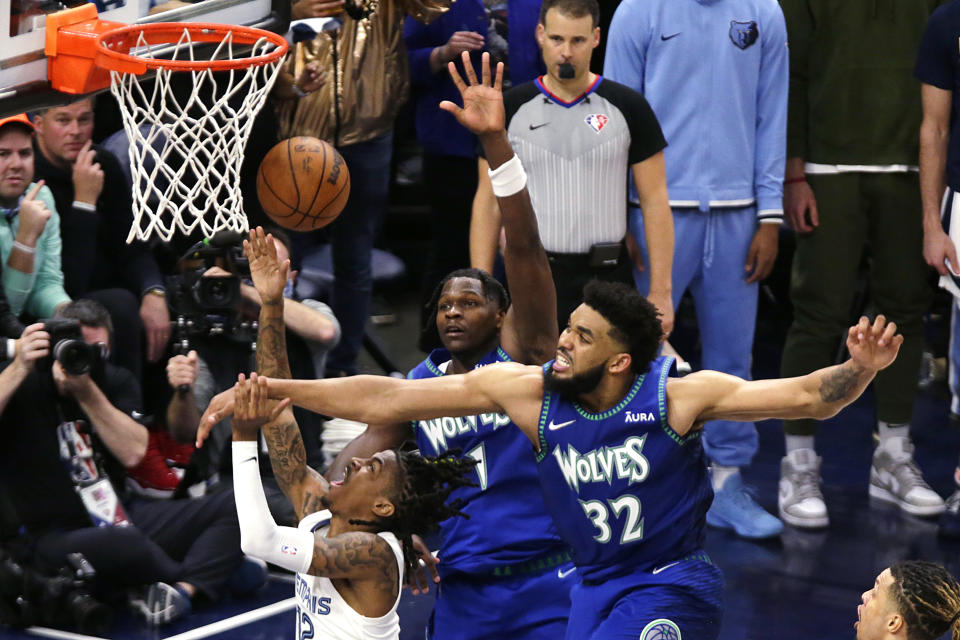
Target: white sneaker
895,478
800,500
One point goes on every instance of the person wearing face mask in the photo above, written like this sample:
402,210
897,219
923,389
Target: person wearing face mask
577,133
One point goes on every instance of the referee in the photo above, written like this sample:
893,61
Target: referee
576,134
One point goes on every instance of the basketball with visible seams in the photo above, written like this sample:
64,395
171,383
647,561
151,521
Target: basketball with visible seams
303,183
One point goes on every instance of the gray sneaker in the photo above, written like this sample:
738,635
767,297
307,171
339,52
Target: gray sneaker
160,604
895,478
800,500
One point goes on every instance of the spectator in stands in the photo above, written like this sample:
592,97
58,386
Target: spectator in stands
366,61
725,178
311,331
851,181
507,31
184,550
939,183
30,229
577,134
96,213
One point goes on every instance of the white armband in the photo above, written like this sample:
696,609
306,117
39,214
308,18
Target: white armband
260,536
509,178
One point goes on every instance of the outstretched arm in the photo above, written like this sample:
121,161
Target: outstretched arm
529,334
300,483
710,395
507,387
355,556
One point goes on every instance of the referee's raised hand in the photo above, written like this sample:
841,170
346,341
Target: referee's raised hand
482,110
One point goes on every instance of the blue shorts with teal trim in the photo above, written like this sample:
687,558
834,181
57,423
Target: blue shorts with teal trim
529,607
681,600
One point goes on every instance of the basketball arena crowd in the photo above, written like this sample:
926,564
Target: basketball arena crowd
704,158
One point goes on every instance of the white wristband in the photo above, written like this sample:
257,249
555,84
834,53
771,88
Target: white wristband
85,206
509,178
24,248
260,536
11,348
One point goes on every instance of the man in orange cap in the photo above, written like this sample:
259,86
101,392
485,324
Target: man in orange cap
29,227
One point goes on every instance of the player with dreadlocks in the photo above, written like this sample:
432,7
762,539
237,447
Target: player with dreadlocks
522,573
911,600
350,557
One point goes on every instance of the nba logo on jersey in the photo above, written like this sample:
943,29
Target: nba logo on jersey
597,121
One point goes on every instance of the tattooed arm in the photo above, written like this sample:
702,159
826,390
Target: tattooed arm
364,559
710,395
303,485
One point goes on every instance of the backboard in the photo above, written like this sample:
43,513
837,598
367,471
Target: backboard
23,65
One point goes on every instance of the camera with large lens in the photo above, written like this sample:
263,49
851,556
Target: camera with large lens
209,305
68,347
62,599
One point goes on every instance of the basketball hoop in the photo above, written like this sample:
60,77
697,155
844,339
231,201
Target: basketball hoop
188,129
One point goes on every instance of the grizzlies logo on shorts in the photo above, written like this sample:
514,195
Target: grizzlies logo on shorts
661,629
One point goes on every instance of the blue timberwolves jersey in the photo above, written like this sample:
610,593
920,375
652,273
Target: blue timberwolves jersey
508,522
625,490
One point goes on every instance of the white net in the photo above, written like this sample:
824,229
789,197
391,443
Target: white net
187,130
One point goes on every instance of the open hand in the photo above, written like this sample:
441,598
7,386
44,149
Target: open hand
482,110
220,407
874,346
252,408
419,581
268,274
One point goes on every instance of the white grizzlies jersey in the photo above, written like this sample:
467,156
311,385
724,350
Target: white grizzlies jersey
322,613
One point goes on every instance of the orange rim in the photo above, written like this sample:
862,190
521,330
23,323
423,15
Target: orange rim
113,46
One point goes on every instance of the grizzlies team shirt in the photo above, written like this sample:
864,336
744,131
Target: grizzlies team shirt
626,491
508,523
576,155
321,610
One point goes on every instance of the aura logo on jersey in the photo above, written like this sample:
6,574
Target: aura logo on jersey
639,416
439,429
597,121
625,462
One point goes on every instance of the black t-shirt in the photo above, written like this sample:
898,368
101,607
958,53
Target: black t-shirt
938,64
37,481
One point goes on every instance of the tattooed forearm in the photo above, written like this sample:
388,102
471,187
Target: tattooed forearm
356,556
272,343
288,457
842,383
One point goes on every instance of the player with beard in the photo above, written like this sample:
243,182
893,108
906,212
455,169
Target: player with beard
621,467
523,573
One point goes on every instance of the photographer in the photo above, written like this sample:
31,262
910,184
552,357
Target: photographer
312,332
69,437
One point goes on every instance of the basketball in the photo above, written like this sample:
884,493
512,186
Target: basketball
303,183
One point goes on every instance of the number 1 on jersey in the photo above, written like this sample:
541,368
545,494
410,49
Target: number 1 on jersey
478,453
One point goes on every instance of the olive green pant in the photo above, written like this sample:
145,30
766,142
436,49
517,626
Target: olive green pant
875,212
